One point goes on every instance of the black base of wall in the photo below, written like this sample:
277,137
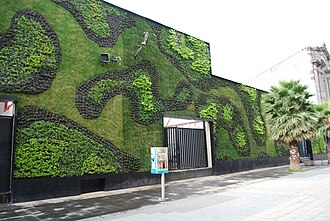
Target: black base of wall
232,166
45,188
4,197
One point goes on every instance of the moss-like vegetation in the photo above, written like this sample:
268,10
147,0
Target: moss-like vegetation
122,102
30,54
50,149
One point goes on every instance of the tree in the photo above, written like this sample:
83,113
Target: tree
291,116
324,123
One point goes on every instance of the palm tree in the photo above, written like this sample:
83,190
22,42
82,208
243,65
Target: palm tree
324,123
291,116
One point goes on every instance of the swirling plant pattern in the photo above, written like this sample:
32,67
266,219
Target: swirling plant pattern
29,54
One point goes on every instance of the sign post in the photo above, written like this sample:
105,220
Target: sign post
159,164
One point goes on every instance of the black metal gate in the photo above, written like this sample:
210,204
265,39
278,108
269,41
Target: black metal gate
186,148
8,113
5,156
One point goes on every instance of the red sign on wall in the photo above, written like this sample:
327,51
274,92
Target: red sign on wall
7,108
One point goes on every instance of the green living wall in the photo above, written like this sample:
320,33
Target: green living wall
78,116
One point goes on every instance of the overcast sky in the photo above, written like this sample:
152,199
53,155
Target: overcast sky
246,37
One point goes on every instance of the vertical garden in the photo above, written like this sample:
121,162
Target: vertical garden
78,116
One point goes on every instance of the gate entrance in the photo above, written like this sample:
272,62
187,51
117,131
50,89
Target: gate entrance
7,125
188,142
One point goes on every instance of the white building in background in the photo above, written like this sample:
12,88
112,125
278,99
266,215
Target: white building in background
310,65
320,60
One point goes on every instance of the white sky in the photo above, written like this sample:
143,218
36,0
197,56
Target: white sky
246,37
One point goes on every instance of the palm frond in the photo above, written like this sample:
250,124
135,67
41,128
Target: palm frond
291,116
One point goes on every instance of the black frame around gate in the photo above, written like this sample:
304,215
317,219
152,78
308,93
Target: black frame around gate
178,141
187,148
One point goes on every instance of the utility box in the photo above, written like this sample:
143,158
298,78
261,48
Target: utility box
159,160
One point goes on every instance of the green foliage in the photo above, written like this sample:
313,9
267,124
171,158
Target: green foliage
97,92
30,50
81,62
177,42
238,102
49,149
290,115
202,62
318,145
201,65
211,112
183,95
323,111
259,125
227,114
193,51
240,137
252,92
142,86
95,14
224,148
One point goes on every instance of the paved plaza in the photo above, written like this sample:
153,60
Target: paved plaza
263,194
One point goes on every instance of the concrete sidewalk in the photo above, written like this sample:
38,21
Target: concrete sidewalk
264,194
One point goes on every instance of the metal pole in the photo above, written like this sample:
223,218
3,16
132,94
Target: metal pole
163,186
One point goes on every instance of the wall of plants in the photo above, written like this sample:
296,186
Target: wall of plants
79,116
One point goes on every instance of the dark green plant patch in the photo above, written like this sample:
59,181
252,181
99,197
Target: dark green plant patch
224,147
252,98
140,86
29,54
101,21
100,88
208,106
51,145
188,54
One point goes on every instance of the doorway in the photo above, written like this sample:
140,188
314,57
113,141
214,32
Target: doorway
188,142
7,138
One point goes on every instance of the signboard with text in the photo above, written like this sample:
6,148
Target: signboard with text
159,160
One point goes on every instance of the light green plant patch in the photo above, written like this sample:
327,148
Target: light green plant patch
30,50
193,51
258,125
142,85
177,42
240,137
252,92
210,111
47,149
227,113
97,92
94,13
319,145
